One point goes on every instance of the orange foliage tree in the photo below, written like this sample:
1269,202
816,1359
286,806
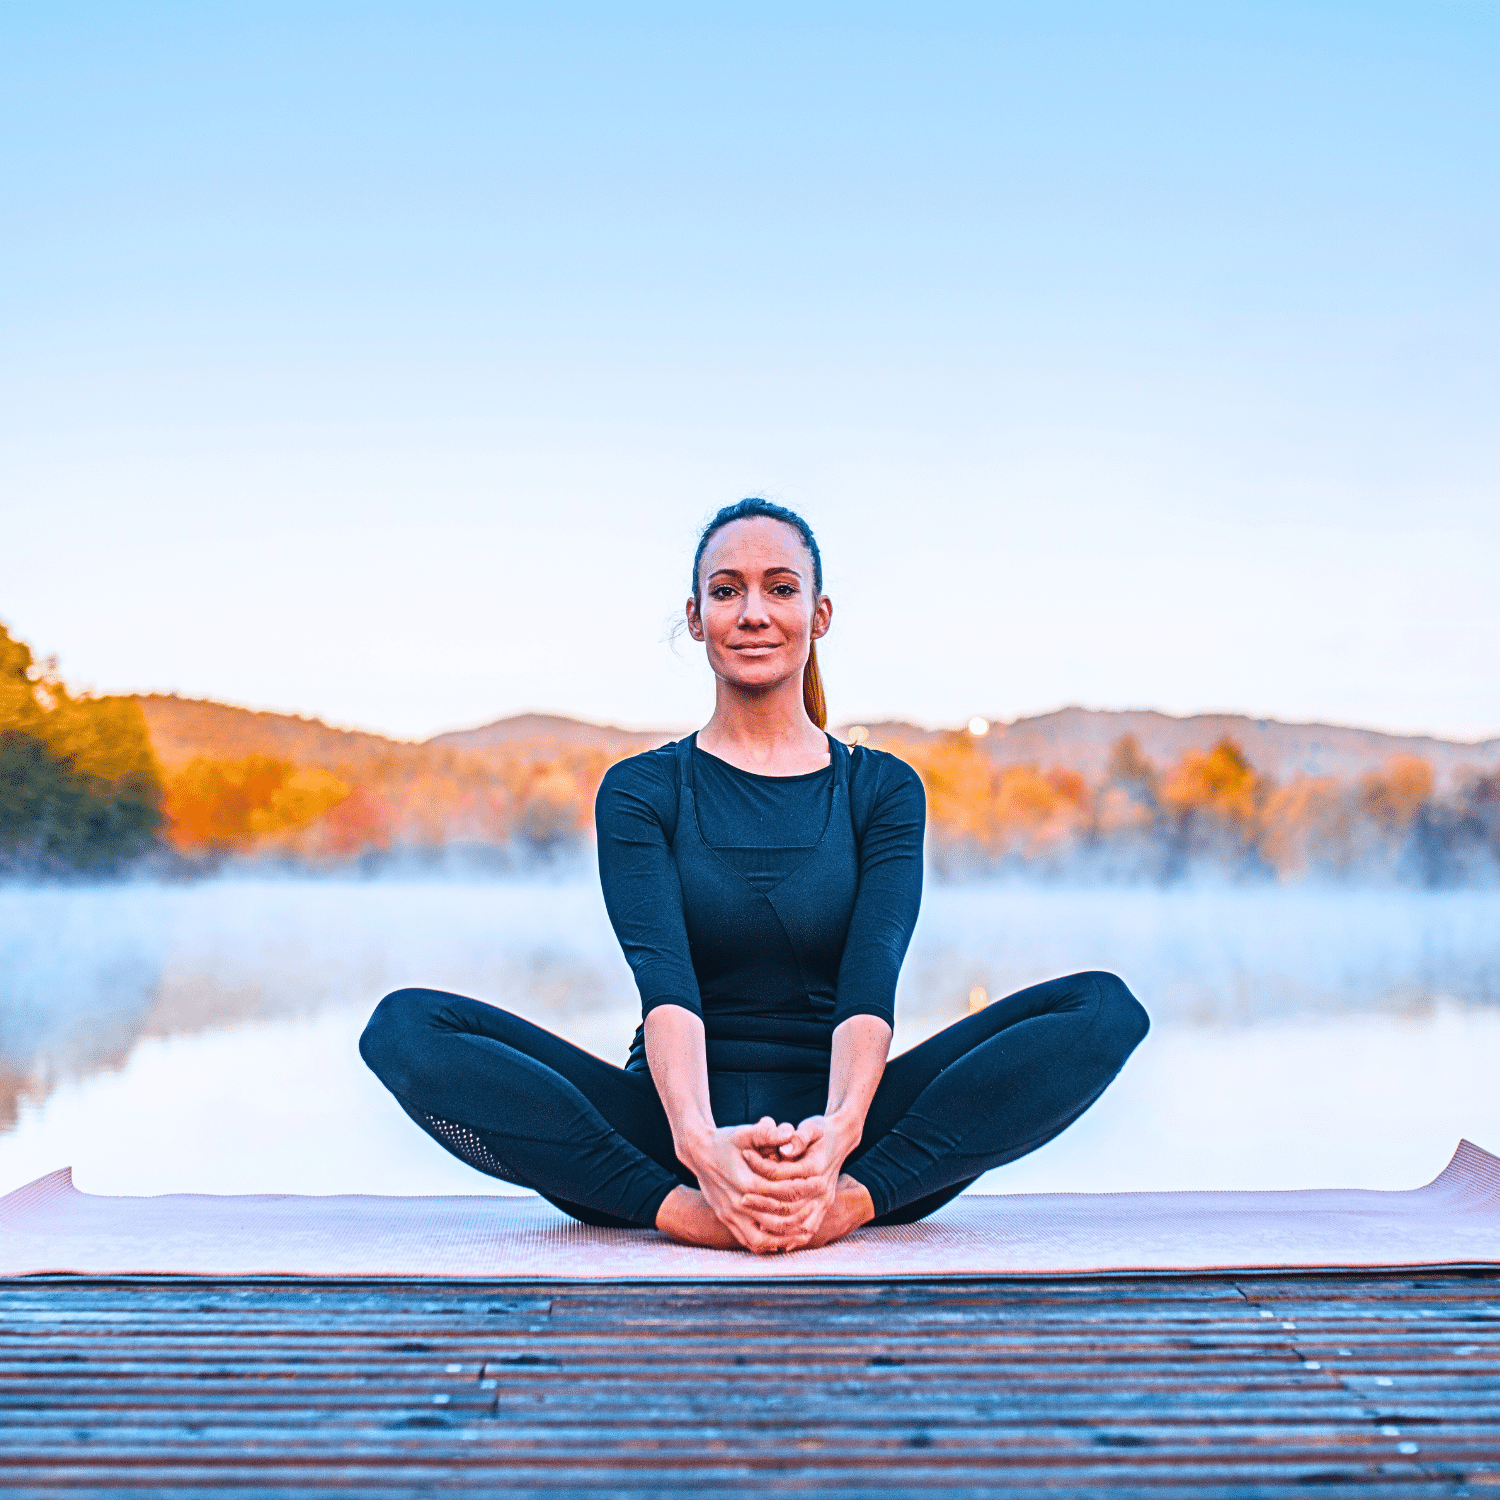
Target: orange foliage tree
1038,815
1216,797
996,814
1308,826
960,789
1393,797
217,805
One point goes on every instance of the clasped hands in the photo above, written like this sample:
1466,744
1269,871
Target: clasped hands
776,1187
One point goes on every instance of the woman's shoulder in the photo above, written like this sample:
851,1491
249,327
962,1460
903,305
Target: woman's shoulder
872,765
879,780
647,777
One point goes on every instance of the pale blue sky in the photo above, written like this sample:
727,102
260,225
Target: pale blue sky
379,361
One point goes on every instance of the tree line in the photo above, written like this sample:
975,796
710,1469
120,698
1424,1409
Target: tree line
1211,814
83,791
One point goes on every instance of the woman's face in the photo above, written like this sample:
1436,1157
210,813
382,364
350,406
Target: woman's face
759,611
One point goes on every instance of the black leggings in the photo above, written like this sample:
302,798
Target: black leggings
521,1104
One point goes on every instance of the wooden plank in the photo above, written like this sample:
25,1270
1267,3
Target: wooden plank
1221,1386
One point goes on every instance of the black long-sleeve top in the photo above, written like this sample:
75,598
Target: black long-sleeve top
768,917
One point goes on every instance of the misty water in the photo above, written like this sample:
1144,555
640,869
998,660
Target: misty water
203,1037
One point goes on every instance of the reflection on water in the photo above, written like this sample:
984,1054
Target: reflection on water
202,1037
86,974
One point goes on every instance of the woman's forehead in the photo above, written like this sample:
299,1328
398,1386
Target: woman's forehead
758,542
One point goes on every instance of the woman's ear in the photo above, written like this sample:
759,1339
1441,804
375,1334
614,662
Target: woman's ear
694,622
822,617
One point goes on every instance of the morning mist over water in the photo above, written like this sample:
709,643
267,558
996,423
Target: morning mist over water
203,1036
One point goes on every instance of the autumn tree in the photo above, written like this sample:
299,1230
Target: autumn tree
215,806
1308,827
1393,797
1215,798
1037,815
960,781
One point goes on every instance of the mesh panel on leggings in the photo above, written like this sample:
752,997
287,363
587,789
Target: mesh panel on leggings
469,1146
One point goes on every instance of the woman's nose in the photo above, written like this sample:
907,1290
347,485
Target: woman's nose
753,611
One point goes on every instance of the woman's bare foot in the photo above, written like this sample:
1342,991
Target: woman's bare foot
686,1217
852,1206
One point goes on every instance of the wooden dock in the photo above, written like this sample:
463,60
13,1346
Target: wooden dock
1223,1385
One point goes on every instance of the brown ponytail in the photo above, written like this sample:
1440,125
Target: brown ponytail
812,689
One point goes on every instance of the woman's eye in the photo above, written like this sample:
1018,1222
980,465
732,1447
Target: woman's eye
722,592
785,590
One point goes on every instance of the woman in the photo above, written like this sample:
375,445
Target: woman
763,880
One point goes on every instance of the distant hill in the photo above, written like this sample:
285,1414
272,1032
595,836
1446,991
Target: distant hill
552,729
184,727
1078,737
1082,737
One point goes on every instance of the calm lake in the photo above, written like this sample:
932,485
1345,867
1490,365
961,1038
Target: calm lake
202,1037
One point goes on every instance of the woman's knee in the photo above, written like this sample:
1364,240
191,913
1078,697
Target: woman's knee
394,1030
1122,1017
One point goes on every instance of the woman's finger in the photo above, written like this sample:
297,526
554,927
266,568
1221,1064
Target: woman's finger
789,1171
763,1243
798,1190
786,1202
770,1175
772,1208
764,1135
784,1218
774,1244
788,1229
771,1212
785,1234
758,1163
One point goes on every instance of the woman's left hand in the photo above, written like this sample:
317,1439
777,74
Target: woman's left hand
800,1177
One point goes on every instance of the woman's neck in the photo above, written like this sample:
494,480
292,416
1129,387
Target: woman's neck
768,733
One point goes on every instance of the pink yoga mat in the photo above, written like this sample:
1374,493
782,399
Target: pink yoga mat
1455,1220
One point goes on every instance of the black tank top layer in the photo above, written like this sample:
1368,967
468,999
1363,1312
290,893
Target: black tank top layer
774,907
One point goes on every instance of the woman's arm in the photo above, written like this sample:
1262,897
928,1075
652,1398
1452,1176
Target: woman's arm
635,816
890,884
678,1055
718,1156
860,1047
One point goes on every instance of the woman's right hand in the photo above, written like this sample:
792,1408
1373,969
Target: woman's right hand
717,1159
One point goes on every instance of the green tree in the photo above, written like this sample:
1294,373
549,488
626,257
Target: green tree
80,789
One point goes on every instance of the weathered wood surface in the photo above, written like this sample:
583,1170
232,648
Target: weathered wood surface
1218,1386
